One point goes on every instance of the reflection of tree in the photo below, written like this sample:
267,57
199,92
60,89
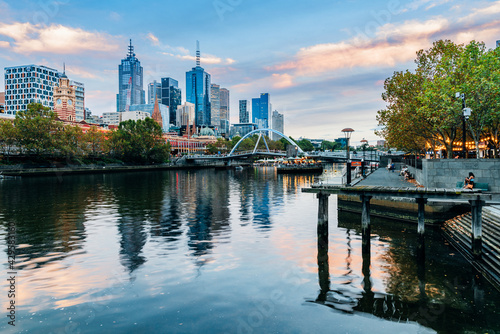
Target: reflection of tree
53,224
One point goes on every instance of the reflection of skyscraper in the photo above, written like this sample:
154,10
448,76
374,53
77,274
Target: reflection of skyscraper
198,92
130,88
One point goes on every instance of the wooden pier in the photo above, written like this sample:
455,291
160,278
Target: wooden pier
476,198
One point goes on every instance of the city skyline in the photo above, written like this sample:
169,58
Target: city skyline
324,74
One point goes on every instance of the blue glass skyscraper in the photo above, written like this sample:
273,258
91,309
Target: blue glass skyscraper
130,78
261,110
198,92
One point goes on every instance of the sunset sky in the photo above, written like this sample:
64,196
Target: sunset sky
323,62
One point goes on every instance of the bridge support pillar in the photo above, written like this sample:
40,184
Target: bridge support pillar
477,217
365,221
421,215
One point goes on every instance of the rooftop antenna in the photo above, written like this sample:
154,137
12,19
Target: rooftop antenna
197,53
131,50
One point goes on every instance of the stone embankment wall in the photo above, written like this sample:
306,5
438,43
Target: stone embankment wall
445,173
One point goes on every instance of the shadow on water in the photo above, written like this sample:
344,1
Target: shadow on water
418,288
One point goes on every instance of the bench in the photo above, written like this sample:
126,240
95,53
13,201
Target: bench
477,185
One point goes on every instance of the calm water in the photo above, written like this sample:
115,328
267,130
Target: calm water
222,252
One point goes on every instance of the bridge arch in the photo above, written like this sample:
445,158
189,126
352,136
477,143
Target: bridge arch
260,132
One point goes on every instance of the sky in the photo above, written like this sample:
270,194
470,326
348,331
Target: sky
322,62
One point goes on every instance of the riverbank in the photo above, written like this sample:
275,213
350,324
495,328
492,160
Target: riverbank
19,171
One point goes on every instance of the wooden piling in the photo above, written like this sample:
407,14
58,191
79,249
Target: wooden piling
323,209
476,214
365,221
421,215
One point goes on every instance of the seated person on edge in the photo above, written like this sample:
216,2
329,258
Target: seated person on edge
469,181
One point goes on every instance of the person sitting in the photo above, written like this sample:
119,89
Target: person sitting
469,181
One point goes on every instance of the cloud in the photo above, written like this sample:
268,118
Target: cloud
114,16
153,39
28,38
207,59
4,44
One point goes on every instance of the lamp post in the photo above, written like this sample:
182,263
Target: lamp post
347,134
364,142
462,96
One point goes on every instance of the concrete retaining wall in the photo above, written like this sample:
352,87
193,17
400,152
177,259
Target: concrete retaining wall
445,173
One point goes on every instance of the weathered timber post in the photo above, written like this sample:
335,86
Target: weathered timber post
421,215
477,216
323,209
365,222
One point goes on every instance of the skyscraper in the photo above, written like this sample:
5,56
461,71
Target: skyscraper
27,84
198,91
278,124
261,110
215,105
130,87
79,100
224,110
154,90
244,116
171,96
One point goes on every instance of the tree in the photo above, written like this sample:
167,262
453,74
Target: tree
139,141
94,142
8,136
306,145
37,129
70,141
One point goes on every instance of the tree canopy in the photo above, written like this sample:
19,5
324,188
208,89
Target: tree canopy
422,110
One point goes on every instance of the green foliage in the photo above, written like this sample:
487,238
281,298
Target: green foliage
306,145
139,141
422,110
8,136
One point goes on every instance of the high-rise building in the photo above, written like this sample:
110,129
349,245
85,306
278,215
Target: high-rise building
65,99
170,96
130,87
79,100
498,43
111,118
244,115
185,114
2,102
261,110
198,92
215,105
154,89
225,113
278,124
27,84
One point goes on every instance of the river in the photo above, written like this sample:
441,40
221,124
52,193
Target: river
221,252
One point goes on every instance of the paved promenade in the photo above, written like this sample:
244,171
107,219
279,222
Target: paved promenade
383,177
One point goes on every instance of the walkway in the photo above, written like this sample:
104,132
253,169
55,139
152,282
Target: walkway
382,177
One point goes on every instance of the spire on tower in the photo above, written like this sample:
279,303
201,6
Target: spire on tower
131,50
198,53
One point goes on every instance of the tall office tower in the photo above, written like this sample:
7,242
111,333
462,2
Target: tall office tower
79,100
198,91
261,110
278,124
185,114
224,110
244,116
170,96
498,43
27,84
215,105
65,98
130,88
154,89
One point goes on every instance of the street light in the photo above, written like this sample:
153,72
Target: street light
465,115
364,142
347,133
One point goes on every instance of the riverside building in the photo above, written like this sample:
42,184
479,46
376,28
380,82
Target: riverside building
27,84
198,92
